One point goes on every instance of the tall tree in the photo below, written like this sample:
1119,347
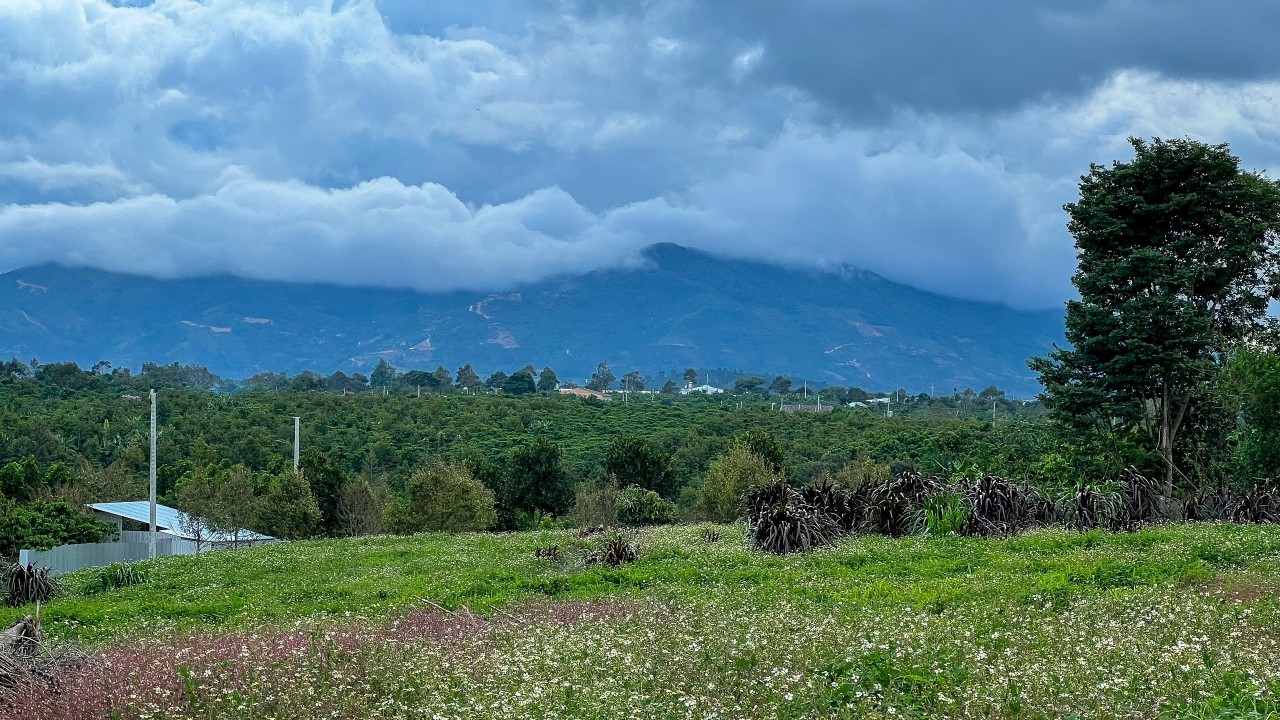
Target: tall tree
602,379
325,480
547,380
1177,252
468,380
690,376
633,380
383,375
537,481
444,383
521,383
780,386
496,380
633,461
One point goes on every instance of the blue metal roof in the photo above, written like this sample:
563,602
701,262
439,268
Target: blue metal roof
168,520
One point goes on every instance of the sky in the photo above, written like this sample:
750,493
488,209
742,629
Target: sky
483,144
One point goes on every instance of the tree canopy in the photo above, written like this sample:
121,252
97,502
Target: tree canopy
1177,260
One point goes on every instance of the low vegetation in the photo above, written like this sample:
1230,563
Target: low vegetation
1172,621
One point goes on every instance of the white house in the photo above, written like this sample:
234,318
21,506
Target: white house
705,389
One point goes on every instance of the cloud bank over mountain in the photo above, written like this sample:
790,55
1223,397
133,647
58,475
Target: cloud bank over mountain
487,143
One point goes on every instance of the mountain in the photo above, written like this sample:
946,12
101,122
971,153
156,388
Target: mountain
678,308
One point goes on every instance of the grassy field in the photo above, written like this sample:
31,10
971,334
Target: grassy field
1171,622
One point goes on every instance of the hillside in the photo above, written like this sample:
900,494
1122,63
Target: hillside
679,308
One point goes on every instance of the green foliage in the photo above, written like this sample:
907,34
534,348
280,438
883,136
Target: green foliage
537,481
765,445
633,461
288,510
595,504
638,506
521,383
326,481
946,514
547,380
115,577
46,525
1177,257
602,379
1252,379
442,498
727,480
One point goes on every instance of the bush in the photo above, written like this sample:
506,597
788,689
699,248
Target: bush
895,508
616,550
289,510
634,462
727,480
1002,507
1260,504
946,514
47,525
26,584
442,498
637,506
115,577
595,504
780,521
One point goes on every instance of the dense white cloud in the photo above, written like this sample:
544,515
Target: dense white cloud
484,144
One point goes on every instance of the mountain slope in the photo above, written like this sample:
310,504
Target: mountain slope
679,308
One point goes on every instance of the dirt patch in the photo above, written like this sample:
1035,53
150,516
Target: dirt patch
1238,591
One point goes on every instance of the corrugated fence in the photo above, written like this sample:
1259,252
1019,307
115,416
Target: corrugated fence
133,545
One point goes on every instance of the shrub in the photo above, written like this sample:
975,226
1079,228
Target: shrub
728,478
633,461
115,577
895,508
442,498
1260,504
1138,502
1086,508
844,507
947,514
616,550
595,504
26,584
637,506
1002,507
780,521
289,509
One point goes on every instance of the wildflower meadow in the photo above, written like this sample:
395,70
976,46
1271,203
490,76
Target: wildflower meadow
1169,622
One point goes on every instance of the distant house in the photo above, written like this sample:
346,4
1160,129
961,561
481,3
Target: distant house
584,393
705,389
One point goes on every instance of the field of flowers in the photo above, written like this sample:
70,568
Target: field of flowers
1170,622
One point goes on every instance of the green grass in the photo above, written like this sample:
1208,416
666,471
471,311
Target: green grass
1049,624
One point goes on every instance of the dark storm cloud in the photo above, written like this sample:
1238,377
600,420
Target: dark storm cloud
872,56
487,143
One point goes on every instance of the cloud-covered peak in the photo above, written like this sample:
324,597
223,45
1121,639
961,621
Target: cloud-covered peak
483,144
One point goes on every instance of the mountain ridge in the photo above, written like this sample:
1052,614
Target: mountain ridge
676,308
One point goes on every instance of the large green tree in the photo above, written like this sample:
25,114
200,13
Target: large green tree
538,482
602,379
1177,259
633,461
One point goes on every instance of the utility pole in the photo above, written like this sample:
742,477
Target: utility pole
151,545
297,442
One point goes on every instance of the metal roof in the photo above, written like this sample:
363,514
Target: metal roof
169,520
